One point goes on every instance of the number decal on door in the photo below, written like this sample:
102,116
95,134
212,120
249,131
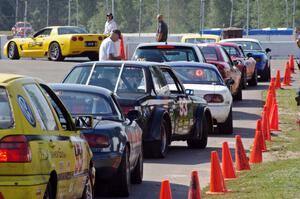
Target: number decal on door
183,107
78,148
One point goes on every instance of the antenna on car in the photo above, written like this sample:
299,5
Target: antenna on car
119,77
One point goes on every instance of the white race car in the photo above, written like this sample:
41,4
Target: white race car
206,82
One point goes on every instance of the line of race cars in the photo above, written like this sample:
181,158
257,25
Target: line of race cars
91,132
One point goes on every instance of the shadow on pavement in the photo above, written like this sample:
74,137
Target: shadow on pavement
261,86
249,103
239,115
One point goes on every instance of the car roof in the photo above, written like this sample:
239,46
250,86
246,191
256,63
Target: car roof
239,39
191,64
5,77
210,36
132,63
61,27
229,44
209,45
179,44
80,87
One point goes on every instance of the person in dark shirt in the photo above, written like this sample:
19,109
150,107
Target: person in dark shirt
162,29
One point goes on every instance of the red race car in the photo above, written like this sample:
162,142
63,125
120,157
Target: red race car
244,63
217,55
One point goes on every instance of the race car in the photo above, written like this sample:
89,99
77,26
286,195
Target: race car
200,38
253,48
167,115
56,43
116,141
42,153
207,83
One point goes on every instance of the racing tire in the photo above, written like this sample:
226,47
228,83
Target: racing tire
88,192
227,126
12,52
121,183
266,74
137,173
49,192
244,79
200,141
54,52
253,81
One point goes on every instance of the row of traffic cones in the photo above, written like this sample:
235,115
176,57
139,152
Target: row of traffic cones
269,122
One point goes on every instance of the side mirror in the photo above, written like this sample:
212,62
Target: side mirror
268,50
189,91
83,122
134,115
249,55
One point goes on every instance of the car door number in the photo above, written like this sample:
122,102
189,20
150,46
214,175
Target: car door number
183,107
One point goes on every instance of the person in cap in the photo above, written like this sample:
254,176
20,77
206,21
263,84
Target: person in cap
110,24
108,50
162,29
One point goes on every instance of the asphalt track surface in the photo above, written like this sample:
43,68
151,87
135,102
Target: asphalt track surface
180,160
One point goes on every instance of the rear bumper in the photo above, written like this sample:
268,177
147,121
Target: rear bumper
219,112
17,187
106,165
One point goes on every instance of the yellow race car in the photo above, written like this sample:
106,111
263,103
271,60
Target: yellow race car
56,43
42,155
198,38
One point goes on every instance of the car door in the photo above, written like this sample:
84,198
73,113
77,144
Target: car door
79,155
183,104
36,43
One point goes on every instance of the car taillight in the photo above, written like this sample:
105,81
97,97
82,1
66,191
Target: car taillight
126,109
80,38
1,196
165,47
74,38
100,38
14,148
97,140
214,98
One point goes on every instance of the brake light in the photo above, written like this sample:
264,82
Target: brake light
100,38
199,73
214,98
14,148
165,47
74,38
80,38
126,109
97,140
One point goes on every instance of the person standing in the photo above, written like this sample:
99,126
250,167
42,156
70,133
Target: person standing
110,24
162,29
108,50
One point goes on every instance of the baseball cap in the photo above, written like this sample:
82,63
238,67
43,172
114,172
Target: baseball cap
109,14
118,32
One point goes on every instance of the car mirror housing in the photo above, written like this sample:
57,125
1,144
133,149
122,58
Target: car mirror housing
189,91
134,115
83,122
268,50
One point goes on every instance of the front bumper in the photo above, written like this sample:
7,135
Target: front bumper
106,164
20,187
219,112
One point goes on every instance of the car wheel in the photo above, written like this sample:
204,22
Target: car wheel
244,78
200,141
120,185
137,174
54,52
266,74
227,126
49,192
13,52
253,81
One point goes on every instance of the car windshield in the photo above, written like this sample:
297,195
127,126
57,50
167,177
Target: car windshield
197,75
6,118
165,54
200,40
84,103
248,45
71,30
232,51
209,53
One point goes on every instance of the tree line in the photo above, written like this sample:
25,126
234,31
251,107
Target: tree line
181,15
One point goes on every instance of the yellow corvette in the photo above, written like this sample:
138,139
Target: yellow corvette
56,43
198,38
42,155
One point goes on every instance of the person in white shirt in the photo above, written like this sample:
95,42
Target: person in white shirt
108,49
110,24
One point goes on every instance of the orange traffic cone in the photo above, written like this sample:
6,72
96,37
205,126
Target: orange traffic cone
194,190
286,79
165,190
256,151
274,125
262,137
227,163
265,125
122,49
241,160
278,80
292,64
217,183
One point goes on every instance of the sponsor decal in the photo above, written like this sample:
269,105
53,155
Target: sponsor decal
26,111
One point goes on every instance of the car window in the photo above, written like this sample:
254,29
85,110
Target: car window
225,56
198,75
232,51
6,118
200,40
71,30
209,53
41,107
249,45
45,33
159,81
79,75
172,82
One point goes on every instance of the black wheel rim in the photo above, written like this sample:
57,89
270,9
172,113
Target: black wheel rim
11,50
54,51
